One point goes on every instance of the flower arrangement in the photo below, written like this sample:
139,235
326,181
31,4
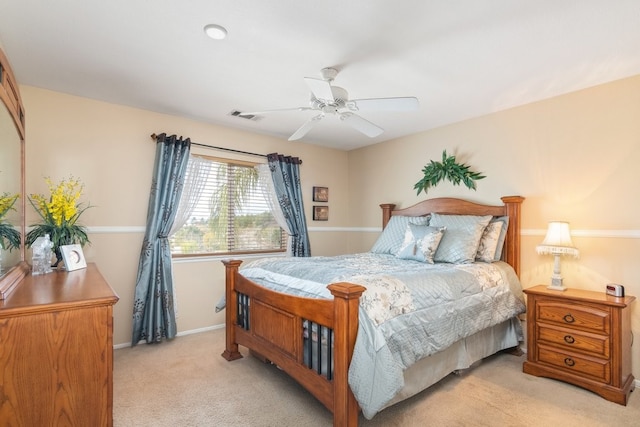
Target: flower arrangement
9,236
59,214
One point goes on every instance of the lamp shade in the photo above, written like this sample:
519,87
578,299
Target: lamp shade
558,240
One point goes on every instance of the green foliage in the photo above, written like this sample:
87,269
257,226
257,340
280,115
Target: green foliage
448,169
9,237
237,184
249,231
60,235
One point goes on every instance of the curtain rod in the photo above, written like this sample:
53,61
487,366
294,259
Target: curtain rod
155,137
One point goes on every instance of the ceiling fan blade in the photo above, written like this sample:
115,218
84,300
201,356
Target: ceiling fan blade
361,125
321,89
384,104
306,127
277,110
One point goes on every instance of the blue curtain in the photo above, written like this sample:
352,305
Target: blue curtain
153,309
285,172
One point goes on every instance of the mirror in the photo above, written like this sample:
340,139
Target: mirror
13,263
9,181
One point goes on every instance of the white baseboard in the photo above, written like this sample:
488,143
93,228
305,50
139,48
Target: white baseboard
180,334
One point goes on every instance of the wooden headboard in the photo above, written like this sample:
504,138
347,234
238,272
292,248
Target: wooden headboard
452,206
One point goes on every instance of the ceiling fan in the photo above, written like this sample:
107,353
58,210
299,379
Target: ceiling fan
328,99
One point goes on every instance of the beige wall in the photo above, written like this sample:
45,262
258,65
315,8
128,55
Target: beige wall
109,148
575,158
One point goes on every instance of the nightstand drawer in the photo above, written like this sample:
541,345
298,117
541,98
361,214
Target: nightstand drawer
594,368
582,316
572,339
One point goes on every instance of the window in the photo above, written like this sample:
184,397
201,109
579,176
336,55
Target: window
229,215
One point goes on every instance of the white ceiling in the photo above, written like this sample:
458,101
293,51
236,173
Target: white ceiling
460,58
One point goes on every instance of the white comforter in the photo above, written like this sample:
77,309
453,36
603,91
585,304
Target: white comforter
409,311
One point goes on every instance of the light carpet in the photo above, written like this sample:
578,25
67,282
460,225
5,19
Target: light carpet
185,382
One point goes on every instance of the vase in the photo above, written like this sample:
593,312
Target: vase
58,253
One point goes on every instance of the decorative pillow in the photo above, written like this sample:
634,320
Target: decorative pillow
420,242
503,234
460,242
393,234
489,242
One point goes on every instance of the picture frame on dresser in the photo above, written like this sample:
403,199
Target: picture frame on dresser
73,257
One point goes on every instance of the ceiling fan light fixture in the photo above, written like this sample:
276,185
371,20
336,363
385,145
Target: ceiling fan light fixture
216,32
328,99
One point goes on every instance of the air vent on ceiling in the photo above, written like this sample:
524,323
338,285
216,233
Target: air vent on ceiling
245,116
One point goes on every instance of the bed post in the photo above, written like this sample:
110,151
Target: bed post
231,351
346,302
386,213
512,242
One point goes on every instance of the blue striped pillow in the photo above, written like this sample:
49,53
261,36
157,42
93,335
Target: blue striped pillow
460,242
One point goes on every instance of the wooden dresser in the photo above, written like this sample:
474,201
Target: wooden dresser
581,337
56,351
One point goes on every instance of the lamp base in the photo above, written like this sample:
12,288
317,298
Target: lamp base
556,284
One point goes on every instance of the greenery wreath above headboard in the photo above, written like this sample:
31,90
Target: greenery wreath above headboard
448,169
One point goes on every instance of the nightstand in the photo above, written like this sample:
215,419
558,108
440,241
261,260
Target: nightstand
580,337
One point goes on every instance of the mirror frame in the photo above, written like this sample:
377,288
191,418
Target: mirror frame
10,97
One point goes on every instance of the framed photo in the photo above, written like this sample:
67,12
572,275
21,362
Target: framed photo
320,194
321,213
73,257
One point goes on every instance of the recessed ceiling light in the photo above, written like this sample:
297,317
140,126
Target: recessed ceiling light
216,32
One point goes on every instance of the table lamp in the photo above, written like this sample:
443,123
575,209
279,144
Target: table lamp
557,242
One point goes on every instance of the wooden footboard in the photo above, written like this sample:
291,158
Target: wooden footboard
310,339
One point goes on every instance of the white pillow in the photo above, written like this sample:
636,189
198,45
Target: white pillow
420,243
393,234
460,242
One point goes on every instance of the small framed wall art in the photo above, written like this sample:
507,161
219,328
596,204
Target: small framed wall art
321,213
320,194
73,257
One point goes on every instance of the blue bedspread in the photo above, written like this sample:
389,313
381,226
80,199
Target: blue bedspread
409,311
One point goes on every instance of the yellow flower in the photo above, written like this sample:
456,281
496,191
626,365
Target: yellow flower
62,207
59,213
6,203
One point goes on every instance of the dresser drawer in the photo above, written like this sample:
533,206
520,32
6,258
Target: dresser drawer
572,339
586,367
580,316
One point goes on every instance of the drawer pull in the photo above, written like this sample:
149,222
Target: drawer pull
569,361
569,318
569,339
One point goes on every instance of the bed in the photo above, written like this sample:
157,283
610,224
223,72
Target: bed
341,340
